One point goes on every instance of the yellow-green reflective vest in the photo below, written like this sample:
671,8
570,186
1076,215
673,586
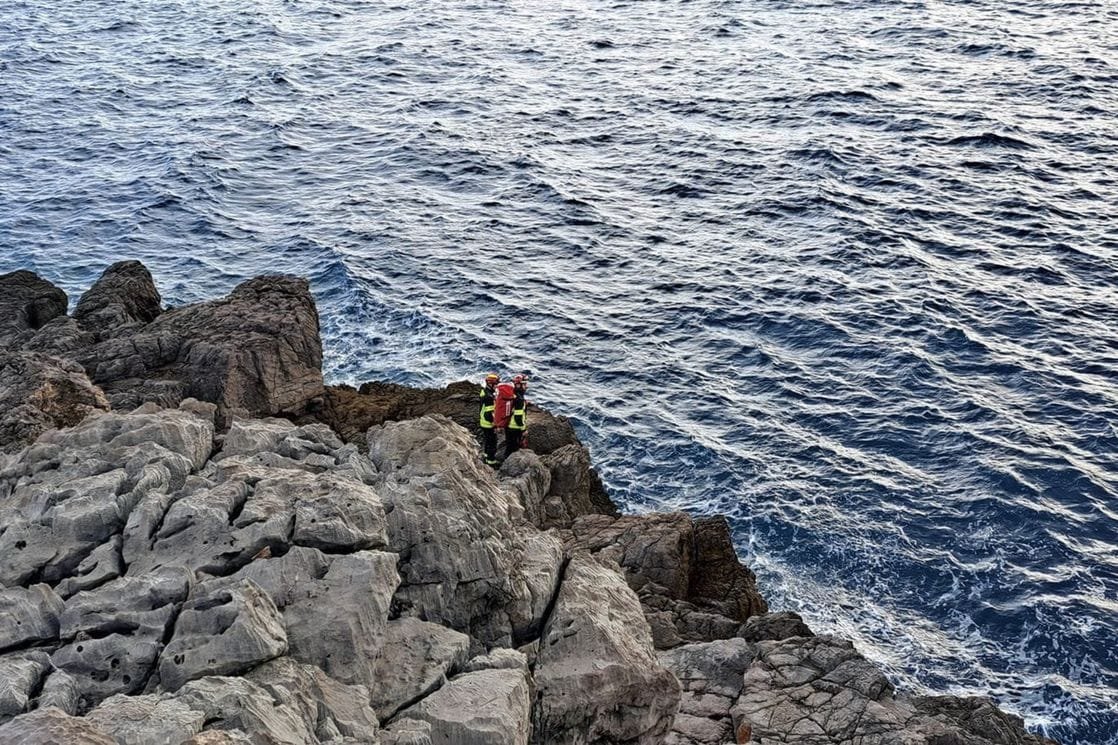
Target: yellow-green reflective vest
488,406
519,418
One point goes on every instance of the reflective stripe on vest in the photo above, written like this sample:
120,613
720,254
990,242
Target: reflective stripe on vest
485,419
519,418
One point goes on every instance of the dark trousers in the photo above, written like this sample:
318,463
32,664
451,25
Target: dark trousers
489,440
512,440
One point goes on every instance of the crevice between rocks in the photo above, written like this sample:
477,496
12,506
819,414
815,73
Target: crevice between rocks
548,611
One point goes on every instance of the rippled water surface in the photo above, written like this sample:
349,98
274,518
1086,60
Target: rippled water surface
843,270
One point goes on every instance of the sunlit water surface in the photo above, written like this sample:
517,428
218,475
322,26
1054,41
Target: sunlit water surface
843,271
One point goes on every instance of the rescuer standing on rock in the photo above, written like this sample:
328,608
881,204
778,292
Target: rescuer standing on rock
488,396
518,422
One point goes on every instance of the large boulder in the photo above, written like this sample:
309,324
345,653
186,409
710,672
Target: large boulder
30,615
415,659
597,678
123,298
39,392
339,712
467,558
257,350
487,707
224,632
689,579
27,303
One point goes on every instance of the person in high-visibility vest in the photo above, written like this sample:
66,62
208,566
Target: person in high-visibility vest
518,422
488,396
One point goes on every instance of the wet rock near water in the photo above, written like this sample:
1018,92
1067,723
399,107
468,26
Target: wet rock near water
177,565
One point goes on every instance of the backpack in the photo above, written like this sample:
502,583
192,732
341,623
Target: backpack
503,410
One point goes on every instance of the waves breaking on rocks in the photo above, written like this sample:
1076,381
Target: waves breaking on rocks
840,271
205,571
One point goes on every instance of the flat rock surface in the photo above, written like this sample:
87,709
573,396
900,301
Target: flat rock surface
487,707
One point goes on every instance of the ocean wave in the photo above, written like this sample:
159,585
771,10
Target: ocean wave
854,294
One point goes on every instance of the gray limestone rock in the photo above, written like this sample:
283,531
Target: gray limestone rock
525,474
254,436
416,659
51,726
137,606
103,563
284,578
468,560
146,720
354,594
407,732
61,691
221,737
102,667
353,591
499,659
70,492
487,707
220,633
219,526
710,674
29,615
336,710
597,678
20,674
239,705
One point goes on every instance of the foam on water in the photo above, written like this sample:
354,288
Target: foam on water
843,271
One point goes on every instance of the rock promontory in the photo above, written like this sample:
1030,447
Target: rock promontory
201,542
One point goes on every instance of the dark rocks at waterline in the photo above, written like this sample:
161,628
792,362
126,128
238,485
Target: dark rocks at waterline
188,572
256,352
27,303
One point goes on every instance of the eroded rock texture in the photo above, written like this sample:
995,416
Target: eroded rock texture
597,678
691,584
185,573
27,303
171,584
255,352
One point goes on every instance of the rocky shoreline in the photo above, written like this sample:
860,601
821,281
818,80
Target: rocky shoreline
201,542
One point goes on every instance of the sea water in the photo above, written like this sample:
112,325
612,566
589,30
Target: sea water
844,271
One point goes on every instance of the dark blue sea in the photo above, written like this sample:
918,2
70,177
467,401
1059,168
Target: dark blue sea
843,270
